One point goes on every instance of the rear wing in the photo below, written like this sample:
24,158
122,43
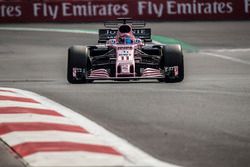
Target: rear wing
141,33
120,21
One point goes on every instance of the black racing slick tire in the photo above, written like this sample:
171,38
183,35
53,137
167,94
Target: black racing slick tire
78,63
172,56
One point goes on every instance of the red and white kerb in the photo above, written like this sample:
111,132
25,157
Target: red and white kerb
44,137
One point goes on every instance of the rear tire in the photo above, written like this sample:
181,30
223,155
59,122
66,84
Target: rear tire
172,56
78,57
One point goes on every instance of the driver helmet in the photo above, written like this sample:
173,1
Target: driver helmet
125,39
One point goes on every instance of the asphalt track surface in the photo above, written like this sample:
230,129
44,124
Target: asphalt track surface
202,121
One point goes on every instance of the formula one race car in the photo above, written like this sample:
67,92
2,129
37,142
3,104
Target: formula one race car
125,52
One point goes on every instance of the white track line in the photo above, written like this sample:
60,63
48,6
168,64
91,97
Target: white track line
233,50
225,57
48,30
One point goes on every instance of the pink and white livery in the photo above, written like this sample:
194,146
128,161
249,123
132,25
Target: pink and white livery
125,52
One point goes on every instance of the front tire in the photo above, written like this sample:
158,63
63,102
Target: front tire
78,64
172,59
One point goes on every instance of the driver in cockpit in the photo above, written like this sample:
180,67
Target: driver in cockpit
125,39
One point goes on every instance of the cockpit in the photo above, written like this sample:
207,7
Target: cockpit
125,40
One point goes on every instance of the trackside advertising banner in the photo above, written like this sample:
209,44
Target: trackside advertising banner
100,10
